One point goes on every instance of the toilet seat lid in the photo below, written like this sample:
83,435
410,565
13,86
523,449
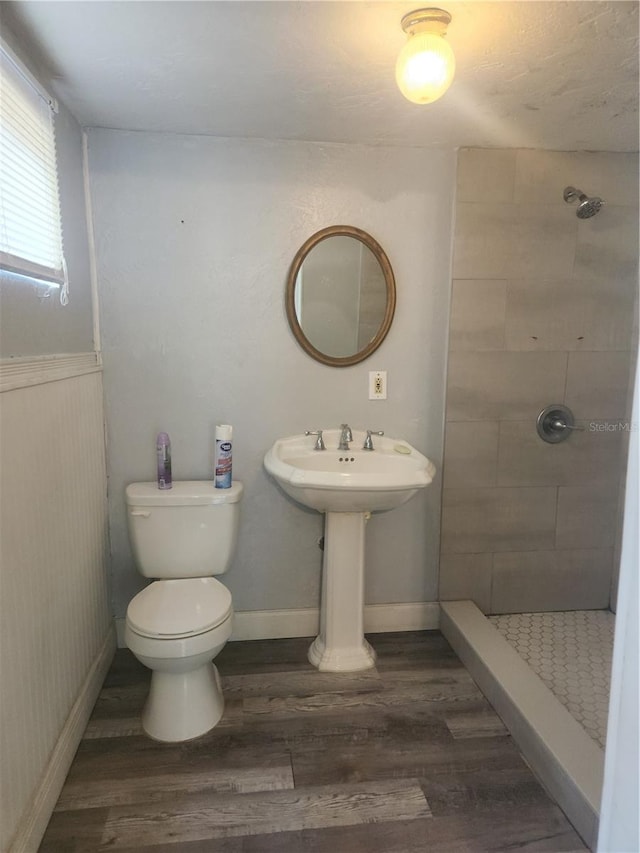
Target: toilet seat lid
179,608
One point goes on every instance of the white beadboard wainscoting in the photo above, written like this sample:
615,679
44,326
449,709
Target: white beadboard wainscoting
56,630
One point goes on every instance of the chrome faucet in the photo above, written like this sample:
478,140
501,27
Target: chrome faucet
368,442
345,437
319,445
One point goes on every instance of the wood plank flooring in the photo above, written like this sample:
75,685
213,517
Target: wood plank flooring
405,758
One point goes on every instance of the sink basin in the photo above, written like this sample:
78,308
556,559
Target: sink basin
354,480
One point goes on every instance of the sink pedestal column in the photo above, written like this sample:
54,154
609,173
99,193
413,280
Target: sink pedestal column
340,646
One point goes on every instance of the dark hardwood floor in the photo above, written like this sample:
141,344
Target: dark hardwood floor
404,758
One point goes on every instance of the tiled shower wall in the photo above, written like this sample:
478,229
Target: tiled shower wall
543,310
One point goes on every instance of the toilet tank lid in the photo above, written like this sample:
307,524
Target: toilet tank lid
179,608
183,493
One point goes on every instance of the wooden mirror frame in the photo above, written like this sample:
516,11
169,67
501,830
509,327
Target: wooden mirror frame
383,260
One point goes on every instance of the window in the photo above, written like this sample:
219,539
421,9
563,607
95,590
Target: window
30,224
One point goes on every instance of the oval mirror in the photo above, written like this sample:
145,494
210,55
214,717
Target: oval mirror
341,295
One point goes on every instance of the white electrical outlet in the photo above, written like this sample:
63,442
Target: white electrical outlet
377,384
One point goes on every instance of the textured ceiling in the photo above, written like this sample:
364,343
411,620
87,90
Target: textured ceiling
554,75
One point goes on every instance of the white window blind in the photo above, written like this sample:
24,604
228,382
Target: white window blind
30,223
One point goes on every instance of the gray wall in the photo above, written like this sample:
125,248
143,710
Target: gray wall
542,312
30,324
195,236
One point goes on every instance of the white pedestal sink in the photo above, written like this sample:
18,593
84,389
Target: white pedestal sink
346,485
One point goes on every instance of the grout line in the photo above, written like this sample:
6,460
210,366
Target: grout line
555,527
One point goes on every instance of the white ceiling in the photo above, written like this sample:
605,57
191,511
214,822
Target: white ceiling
533,74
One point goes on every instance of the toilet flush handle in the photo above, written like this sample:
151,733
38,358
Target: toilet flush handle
142,513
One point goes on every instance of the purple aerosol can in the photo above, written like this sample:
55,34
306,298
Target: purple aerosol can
163,452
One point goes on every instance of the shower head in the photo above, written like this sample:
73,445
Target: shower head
587,207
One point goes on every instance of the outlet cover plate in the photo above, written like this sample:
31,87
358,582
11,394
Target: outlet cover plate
377,384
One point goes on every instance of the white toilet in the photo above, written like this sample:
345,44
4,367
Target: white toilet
178,624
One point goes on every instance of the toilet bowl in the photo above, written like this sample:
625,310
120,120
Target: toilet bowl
175,628
181,621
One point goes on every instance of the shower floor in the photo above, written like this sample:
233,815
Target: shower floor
571,652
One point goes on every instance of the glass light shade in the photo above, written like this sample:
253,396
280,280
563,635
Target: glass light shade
425,68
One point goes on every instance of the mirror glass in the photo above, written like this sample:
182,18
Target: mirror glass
340,295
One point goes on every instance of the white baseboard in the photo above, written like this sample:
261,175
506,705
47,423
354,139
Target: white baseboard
275,624
412,616
36,817
304,622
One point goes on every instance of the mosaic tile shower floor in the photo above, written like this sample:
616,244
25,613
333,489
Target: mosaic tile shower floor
571,652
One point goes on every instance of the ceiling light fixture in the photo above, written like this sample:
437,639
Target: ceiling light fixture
426,63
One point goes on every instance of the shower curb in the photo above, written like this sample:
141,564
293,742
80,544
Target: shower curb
568,762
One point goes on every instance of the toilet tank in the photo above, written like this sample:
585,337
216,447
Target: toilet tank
188,531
